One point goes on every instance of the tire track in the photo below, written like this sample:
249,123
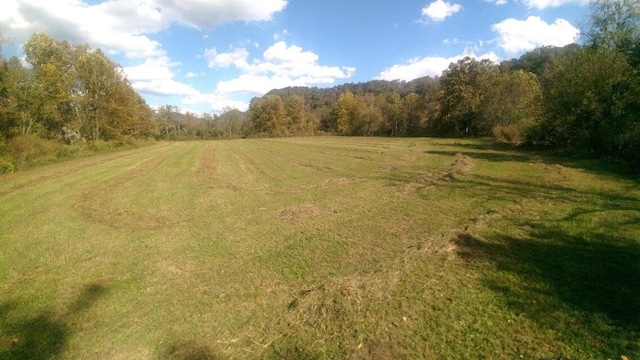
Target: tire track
58,174
95,205
207,172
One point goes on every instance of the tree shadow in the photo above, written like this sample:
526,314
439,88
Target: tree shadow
549,272
43,335
590,162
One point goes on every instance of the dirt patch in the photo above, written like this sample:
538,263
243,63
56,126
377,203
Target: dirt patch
206,170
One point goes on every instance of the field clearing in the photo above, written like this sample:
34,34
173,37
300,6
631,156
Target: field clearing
362,248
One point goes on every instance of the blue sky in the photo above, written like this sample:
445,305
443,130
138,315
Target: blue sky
205,55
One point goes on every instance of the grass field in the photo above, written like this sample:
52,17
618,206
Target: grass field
359,248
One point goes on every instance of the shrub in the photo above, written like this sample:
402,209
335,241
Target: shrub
29,149
6,167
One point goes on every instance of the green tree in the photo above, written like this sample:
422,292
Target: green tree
370,117
347,113
413,109
295,109
268,116
615,26
512,106
460,96
590,102
109,107
53,81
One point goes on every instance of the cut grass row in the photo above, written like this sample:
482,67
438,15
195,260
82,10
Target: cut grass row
319,248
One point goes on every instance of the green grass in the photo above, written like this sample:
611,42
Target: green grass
318,248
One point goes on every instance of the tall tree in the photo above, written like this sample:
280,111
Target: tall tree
590,101
53,81
511,105
268,116
461,89
347,113
615,26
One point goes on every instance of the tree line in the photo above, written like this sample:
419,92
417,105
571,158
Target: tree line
69,93
577,97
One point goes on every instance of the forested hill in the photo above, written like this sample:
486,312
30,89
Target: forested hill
375,87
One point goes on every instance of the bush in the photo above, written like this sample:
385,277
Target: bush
29,149
6,167
511,133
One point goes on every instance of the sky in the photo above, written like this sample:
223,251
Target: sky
210,55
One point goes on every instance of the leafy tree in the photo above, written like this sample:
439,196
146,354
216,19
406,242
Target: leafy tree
615,26
590,101
391,107
268,116
53,81
347,113
511,106
370,117
414,110
295,109
460,96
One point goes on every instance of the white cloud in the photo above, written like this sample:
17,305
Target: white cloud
155,77
281,66
206,14
428,66
440,10
192,74
543,4
237,57
217,101
517,35
124,27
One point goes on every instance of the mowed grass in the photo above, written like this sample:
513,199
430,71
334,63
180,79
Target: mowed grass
312,248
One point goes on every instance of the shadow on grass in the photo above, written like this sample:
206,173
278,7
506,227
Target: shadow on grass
567,282
42,335
496,152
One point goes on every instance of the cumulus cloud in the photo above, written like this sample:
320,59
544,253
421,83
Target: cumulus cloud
440,10
124,27
237,57
155,77
543,4
281,66
518,35
217,101
206,14
428,66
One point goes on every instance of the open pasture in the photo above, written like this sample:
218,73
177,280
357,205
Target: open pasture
361,248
